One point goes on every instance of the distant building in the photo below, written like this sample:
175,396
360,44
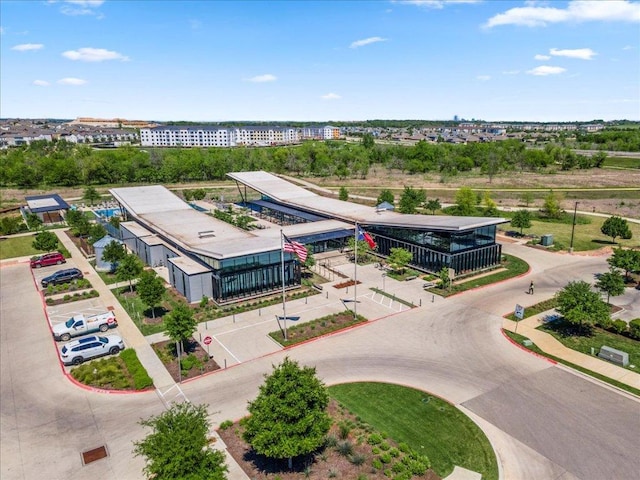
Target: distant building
49,208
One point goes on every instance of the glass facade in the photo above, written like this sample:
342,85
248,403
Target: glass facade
463,251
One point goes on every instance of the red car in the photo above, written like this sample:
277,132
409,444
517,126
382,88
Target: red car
47,259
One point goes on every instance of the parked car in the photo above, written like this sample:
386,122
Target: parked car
86,348
81,324
62,276
54,258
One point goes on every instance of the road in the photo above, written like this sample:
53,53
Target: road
543,420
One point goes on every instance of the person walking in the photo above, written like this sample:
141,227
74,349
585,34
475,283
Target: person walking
531,288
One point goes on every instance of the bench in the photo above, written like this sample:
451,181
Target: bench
413,277
428,285
317,287
614,356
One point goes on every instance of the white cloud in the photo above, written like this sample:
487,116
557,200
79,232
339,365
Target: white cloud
628,47
367,41
25,47
483,78
80,7
576,11
41,83
544,70
267,77
511,72
93,55
72,81
542,57
331,96
195,24
435,3
581,53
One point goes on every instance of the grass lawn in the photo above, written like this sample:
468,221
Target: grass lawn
598,338
622,162
429,425
514,267
586,236
136,308
17,247
534,348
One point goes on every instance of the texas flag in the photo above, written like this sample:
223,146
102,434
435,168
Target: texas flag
362,235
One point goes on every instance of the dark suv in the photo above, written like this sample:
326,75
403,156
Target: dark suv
62,276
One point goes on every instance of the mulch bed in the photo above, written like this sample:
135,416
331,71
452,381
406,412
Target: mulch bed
346,284
323,464
167,351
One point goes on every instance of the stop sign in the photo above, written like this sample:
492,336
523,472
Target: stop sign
206,340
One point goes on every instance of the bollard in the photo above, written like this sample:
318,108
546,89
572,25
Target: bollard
420,302
433,298
305,300
200,334
225,363
327,296
234,318
259,312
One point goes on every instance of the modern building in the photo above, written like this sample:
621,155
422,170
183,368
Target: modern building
208,257
49,208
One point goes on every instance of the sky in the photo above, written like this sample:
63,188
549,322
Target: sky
537,61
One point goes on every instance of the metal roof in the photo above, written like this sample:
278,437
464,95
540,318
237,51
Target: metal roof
286,192
288,210
46,203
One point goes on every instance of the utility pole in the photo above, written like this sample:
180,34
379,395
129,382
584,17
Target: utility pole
573,226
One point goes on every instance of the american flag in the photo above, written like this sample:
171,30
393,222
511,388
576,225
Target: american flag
295,247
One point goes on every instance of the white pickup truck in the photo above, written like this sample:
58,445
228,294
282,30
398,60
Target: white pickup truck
80,324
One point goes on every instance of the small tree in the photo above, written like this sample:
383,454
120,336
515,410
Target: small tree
178,446
289,416
364,250
113,253
616,227
433,205
343,194
625,259
611,282
33,221
581,306
466,202
521,219
551,206
310,261
96,232
490,206
130,267
411,199
150,288
399,258
386,196
180,324
45,241
445,279
91,195
527,198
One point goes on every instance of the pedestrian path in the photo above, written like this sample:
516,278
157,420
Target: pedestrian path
548,344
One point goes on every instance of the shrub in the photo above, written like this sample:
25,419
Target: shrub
189,362
331,441
204,302
398,467
394,452
357,459
385,458
403,476
418,468
374,439
385,446
345,448
619,326
377,464
376,450
344,428
403,447
226,424
634,328
141,378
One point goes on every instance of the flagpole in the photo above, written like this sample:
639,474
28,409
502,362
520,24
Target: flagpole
284,305
355,276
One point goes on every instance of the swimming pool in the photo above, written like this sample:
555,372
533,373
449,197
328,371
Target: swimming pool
107,212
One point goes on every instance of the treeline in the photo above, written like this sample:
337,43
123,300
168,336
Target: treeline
621,140
68,164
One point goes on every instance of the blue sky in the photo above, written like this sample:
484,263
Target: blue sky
320,61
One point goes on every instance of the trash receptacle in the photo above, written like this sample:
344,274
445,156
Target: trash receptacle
546,240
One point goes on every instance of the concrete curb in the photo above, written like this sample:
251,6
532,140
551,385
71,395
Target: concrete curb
522,347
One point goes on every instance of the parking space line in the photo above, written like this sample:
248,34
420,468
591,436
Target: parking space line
227,350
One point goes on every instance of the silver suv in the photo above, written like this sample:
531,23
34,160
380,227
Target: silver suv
85,348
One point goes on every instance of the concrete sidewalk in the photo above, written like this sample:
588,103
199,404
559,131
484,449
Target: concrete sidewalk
548,344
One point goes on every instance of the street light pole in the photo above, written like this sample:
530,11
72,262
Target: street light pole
573,227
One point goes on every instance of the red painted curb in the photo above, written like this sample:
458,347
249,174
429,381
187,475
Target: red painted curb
522,347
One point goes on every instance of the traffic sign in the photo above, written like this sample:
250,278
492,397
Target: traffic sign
207,340
519,313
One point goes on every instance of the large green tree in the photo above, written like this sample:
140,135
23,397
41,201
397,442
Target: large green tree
466,201
45,241
113,253
581,306
625,259
521,219
90,195
433,205
180,323
552,208
129,268
611,282
96,232
386,195
411,199
150,289
289,416
178,446
616,227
